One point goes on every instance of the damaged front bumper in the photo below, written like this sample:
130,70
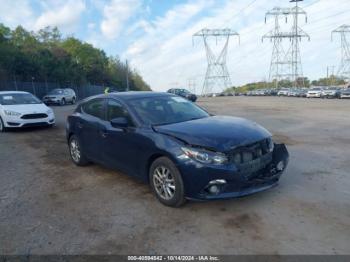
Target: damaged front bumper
229,181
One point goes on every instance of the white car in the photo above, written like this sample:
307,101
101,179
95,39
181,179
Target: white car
283,92
345,93
314,92
22,109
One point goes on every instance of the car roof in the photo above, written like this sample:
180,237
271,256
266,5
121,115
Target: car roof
130,95
12,92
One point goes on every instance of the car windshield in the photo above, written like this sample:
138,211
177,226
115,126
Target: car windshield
184,91
56,92
166,110
18,99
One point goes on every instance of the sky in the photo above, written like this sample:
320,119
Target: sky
155,36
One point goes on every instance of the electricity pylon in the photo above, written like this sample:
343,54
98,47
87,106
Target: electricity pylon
344,67
217,76
296,35
286,65
278,63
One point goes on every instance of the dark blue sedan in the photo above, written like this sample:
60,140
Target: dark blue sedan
182,151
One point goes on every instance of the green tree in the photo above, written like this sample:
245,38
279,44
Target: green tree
46,56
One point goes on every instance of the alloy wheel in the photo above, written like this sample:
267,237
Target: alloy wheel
75,150
164,182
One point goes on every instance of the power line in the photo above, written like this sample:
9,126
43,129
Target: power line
241,10
320,19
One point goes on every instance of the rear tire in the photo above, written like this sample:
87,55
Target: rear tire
166,182
2,126
76,153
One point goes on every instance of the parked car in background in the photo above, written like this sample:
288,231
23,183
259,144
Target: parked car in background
314,92
273,92
184,93
182,151
260,92
331,92
283,92
60,97
298,92
22,109
293,92
345,93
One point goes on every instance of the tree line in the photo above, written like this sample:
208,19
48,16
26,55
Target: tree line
46,56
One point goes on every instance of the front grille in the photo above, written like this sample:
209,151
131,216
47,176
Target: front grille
35,124
251,158
34,116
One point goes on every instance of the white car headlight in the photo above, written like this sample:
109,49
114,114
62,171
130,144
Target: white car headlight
205,156
11,113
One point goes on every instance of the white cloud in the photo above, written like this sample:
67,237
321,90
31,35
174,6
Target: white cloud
91,26
115,14
65,16
16,12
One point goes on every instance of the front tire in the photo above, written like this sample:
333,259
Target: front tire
76,153
63,102
73,101
166,182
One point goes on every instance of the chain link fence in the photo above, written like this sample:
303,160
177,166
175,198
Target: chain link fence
40,89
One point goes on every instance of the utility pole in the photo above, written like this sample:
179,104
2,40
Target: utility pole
33,85
192,85
217,75
330,76
344,67
127,75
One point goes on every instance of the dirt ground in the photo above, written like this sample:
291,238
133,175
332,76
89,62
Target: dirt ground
50,206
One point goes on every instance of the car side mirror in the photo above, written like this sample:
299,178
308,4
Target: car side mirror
120,122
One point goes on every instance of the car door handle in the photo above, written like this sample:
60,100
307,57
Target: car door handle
103,133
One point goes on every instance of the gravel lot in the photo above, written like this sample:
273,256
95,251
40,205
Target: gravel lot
50,206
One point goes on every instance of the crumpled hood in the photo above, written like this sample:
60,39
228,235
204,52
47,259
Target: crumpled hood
27,109
220,133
